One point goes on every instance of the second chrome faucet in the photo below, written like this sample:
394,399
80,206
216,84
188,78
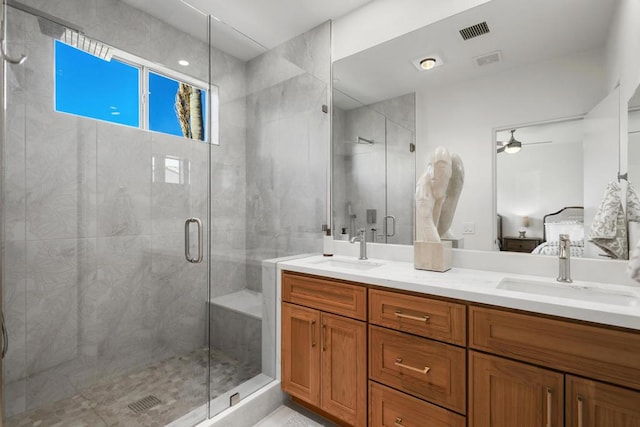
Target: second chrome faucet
564,259
362,238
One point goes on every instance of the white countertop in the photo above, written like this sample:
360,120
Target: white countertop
476,286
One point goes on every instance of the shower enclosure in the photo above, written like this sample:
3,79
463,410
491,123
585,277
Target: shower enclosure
132,279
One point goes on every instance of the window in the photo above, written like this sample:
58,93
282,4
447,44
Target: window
176,108
113,90
92,87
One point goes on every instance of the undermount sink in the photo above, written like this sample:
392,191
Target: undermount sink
572,291
348,264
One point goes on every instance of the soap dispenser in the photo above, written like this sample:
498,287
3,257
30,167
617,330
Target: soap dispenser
327,243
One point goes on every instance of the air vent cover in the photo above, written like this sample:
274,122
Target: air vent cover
474,31
488,58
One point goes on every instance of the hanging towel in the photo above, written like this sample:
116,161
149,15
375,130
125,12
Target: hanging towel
633,206
609,228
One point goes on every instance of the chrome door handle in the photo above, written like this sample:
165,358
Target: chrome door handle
5,337
187,243
393,219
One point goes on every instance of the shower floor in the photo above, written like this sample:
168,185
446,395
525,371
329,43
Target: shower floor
179,383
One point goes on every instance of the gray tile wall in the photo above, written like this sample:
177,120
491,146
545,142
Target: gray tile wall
287,153
95,283
379,176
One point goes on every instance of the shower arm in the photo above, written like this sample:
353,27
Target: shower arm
3,42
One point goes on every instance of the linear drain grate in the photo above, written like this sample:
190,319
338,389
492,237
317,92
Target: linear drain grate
144,404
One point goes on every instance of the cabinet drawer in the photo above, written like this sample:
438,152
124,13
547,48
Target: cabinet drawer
324,294
520,245
388,407
610,355
427,369
440,320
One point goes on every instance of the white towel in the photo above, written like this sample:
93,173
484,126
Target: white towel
609,228
633,268
633,220
633,206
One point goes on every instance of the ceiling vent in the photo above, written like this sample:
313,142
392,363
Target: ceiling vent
489,58
474,31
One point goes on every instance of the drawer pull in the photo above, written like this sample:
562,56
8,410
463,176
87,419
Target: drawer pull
398,422
424,370
549,398
424,319
312,332
324,337
580,411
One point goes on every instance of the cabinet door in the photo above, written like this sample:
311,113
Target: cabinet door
344,369
301,353
593,404
503,393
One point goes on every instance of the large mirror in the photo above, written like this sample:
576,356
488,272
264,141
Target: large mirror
535,71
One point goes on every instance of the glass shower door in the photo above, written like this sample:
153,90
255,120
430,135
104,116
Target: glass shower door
107,319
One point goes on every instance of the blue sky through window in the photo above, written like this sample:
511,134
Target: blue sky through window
162,99
91,87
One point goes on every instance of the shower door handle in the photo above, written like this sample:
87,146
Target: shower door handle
187,243
393,221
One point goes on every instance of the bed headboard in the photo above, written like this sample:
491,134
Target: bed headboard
568,215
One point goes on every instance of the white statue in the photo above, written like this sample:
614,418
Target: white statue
430,195
451,200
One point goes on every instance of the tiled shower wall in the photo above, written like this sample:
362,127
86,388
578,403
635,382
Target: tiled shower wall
96,282
379,176
287,148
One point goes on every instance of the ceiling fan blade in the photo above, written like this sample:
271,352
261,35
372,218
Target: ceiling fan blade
501,149
537,142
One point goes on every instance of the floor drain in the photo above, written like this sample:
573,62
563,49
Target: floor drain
144,404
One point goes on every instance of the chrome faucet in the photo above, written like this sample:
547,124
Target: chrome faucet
362,238
564,258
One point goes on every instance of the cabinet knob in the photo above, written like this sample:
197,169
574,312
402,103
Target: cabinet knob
398,422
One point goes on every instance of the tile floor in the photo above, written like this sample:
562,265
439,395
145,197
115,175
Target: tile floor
292,415
179,383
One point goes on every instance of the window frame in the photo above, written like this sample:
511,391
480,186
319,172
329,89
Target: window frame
144,67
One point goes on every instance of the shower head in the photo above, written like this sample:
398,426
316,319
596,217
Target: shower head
82,42
67,33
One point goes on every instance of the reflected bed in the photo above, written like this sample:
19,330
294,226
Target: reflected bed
568,220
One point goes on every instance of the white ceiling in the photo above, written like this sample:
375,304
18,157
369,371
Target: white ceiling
251,25
523,30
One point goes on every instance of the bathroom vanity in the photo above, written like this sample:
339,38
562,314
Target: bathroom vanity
378,343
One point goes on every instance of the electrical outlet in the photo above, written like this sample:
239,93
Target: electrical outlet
469,228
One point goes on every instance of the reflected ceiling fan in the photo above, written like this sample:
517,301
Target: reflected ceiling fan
513,145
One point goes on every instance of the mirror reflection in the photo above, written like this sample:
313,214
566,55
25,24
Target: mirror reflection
513,77
373,168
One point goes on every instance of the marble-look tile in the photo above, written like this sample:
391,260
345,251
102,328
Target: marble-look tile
228,73
14,397
46,387
124,181
400,110
53,285
177,45
60,174
126,324
124,27
170,200
236,335
310,51
14,299
268,286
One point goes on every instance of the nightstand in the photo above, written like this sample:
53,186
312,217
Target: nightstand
520,244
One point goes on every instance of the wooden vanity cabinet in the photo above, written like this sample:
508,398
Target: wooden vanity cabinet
504,393
532,365
324,355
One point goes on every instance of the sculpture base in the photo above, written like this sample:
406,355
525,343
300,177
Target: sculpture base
432,256
455,243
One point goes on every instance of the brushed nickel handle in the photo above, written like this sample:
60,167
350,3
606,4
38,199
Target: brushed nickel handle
324,337
580,411
424,318
398,422
549,399
312,333
424,370
187,244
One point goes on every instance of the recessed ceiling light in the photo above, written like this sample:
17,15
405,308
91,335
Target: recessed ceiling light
183,62
427,62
